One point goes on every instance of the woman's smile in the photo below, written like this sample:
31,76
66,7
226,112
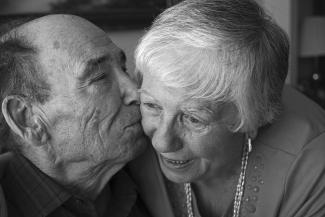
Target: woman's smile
175,163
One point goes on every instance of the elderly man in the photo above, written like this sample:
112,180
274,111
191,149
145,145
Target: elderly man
70,115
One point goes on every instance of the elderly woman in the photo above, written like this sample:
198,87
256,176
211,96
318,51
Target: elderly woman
212,76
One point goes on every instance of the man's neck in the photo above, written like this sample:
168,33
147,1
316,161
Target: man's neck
81,178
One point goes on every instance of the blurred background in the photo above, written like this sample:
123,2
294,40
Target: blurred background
126,20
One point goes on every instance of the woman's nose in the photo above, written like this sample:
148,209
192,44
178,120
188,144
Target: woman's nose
165,139
128,89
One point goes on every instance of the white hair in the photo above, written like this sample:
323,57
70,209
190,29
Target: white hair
220,51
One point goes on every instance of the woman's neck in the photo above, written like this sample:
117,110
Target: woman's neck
215,193
214,198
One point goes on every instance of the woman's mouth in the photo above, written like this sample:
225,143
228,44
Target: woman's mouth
175,163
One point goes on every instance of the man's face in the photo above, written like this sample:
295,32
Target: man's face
92,114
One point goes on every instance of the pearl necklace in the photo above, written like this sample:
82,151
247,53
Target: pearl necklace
239,189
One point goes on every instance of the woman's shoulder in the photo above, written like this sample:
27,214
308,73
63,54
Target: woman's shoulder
286,173
281,183
145,172
301,124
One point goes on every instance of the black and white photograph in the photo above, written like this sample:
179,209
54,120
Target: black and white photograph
162,108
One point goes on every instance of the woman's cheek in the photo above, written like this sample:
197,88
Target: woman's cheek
203,144
148,125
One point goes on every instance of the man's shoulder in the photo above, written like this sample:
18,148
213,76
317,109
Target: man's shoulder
3,205
4,160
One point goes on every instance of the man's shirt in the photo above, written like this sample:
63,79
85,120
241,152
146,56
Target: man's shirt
29,192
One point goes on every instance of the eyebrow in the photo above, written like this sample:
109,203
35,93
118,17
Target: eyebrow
93,64
198,104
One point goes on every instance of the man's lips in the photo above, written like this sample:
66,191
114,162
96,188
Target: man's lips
133,123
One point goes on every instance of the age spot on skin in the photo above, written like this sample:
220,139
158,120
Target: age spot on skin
56,45
52,61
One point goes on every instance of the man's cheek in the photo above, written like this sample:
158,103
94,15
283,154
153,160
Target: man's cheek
90,127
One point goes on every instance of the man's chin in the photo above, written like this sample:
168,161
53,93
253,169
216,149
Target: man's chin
138,141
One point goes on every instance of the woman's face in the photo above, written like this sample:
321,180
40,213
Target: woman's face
190,137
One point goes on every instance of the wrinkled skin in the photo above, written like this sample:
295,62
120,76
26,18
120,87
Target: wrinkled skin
92,117
189,131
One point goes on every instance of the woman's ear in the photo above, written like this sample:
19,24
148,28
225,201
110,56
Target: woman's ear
21,119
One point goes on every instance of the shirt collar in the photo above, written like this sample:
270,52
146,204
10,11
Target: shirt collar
35,193
123,195
31,190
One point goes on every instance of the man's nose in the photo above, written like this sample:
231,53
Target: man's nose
128,88
165,138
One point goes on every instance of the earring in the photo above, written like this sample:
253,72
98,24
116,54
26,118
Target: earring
249,142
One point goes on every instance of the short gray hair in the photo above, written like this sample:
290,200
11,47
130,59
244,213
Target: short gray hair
221,51
18,74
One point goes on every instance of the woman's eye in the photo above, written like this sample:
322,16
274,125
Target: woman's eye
151,106
98,78
193,122
192,119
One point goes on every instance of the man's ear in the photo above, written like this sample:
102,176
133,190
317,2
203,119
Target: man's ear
23,121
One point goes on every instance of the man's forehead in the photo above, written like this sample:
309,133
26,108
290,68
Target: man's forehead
65,41
66,32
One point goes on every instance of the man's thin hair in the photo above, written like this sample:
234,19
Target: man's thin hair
19,74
